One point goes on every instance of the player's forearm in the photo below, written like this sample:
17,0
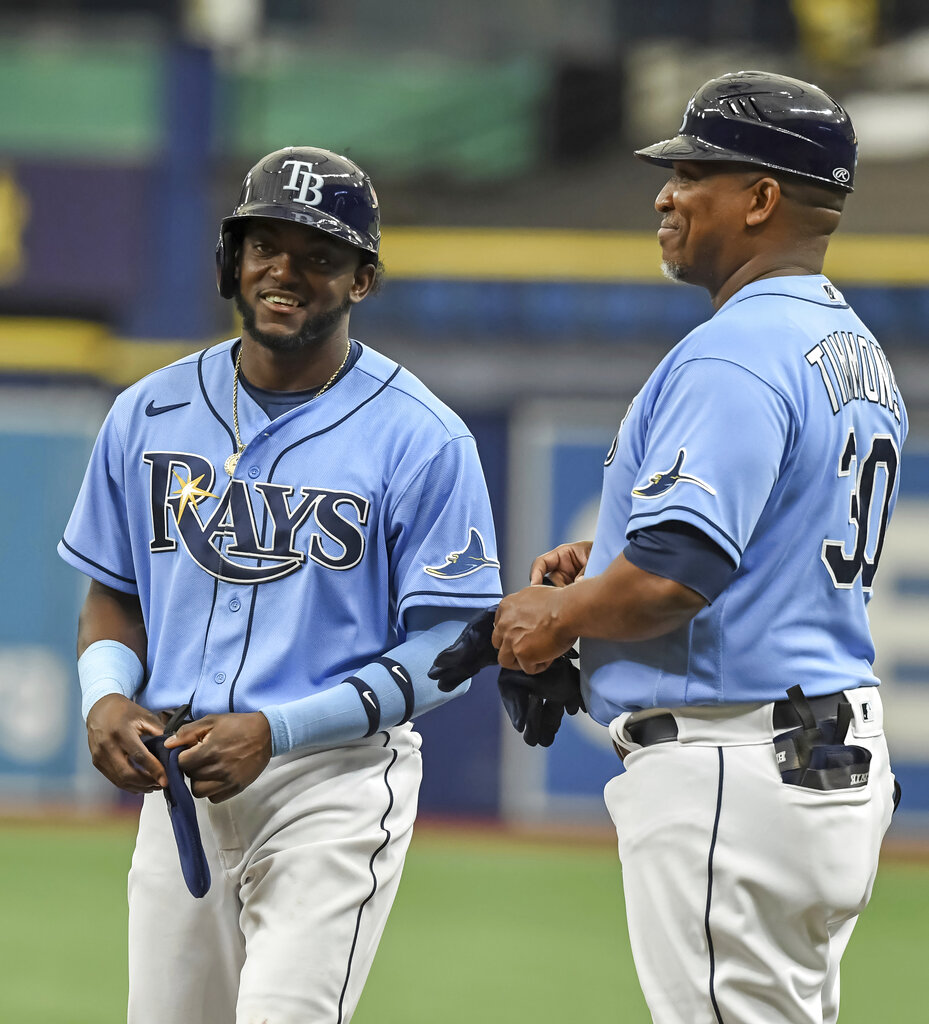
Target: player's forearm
111,646
109,614
624,603
384,693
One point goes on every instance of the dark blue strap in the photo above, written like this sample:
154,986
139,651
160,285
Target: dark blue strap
404,683
369,702
183,813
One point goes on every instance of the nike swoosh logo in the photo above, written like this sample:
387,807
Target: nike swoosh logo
156,410
400,674
369,697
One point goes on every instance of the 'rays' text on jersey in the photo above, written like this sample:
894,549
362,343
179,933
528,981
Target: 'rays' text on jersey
855,367
224,537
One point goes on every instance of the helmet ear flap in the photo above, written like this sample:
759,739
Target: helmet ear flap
226,263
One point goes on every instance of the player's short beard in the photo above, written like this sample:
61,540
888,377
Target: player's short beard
314,330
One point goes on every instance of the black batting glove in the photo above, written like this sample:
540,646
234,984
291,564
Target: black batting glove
560,682
536,704
471,652
536,718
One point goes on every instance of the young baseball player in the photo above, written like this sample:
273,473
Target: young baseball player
722,603
281,531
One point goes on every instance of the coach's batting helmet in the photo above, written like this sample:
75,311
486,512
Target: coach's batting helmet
760,118
307,186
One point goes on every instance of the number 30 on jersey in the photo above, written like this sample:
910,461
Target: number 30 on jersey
872,494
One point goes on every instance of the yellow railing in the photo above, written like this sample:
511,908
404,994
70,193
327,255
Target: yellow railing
621,257
36,346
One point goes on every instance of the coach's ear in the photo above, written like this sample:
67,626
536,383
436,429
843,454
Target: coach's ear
766,197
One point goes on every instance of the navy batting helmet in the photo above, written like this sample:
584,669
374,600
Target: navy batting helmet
760,118
307,186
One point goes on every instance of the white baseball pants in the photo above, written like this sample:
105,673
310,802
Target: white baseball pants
305,864
742,891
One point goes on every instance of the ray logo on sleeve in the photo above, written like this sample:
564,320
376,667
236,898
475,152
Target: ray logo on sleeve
470,559
660,483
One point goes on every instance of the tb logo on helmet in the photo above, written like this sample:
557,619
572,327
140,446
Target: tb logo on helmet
304,182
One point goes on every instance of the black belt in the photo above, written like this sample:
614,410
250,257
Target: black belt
827,706
663,728
656,729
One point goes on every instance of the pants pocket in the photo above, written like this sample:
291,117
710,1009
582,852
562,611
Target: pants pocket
837,767
822,766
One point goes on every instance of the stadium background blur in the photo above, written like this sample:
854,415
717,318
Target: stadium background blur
523,284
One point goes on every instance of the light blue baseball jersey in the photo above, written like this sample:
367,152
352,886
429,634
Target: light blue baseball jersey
344,514
775,428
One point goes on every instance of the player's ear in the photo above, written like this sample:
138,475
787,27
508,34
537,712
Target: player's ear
363,282
765,198
237,245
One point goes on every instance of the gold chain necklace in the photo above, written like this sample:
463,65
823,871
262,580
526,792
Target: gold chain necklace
233,459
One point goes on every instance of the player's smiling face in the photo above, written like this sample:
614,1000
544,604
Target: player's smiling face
296,285
702,209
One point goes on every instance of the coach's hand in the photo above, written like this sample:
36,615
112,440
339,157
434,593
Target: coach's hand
225,753
115,727
528,632
561,565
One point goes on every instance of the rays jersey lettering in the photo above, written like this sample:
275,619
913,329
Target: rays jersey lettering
220,532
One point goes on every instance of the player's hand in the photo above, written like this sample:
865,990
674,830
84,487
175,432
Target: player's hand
561,565
225,753
471,652
115,727
536,704
528,631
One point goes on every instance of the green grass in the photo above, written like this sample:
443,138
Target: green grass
63,930
495,930
485,928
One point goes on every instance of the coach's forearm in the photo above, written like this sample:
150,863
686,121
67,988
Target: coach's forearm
624,603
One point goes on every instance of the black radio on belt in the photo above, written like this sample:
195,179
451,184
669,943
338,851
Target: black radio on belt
814,755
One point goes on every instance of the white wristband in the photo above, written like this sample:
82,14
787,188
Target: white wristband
108,666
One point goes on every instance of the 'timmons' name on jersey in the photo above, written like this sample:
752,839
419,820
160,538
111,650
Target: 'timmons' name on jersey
855,367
